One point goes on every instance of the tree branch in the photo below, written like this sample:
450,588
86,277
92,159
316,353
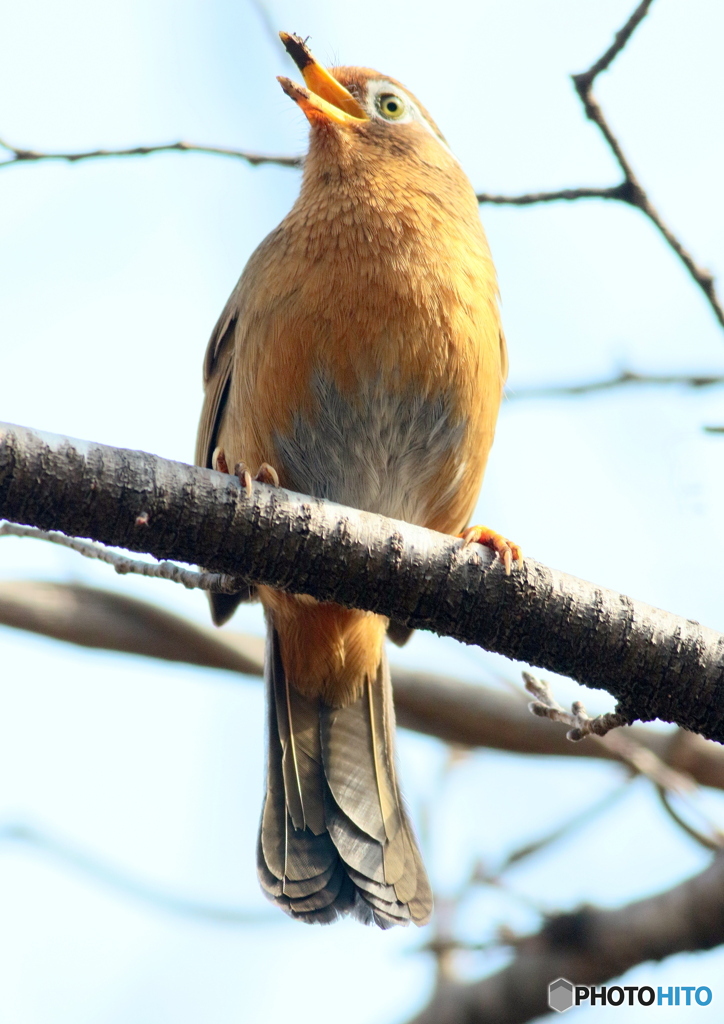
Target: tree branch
127,885
629,190
216,582
19,156
615,192
625,378
588,946
438,705
657,665
632,191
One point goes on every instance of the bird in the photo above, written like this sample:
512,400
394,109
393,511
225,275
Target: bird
361,359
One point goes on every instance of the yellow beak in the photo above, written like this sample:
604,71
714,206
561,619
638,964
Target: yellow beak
324,98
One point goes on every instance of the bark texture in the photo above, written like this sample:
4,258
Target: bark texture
657,665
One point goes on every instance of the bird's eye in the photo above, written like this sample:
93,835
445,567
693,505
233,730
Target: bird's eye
391,106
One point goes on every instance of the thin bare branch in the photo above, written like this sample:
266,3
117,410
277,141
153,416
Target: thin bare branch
619,41
564,194
631,190
581,724
644,761
625,378
605,729
217,583
125,884
581,818
267,21
19,156
713,841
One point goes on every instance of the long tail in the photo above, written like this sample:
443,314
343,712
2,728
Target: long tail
334,835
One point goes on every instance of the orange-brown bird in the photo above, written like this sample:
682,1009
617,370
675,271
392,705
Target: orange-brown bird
360,358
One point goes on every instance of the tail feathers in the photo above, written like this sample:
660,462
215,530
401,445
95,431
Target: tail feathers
334,836
223,606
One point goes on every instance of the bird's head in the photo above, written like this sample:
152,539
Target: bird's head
358,110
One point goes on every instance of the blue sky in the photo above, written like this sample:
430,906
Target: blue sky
112,274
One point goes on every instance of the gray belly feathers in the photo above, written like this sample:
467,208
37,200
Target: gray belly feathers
374,450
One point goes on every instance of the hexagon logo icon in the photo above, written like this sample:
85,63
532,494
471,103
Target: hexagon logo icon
560,995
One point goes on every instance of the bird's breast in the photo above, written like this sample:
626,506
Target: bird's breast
369,363
380,447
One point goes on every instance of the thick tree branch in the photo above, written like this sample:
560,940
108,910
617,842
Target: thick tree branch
589,946
656,664
110,621
437,705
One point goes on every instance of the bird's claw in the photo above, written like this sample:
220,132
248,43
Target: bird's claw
505,549
244,477
266,474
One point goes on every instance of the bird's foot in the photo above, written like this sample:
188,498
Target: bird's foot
266,474
505,549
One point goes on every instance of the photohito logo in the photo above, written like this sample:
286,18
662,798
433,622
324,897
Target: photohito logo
563,994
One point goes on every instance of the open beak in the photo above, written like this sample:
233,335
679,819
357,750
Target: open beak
324,99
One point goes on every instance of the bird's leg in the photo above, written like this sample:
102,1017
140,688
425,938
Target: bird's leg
505,549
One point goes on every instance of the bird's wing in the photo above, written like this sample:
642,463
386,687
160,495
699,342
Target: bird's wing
218,367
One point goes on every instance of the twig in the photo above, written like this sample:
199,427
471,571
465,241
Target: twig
480,876
504,937
579,819
255,159
625,378
629,190
619,41
638,757
714,841
216,582
632,191
93,867
566,194
645,762
267,22
546,706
